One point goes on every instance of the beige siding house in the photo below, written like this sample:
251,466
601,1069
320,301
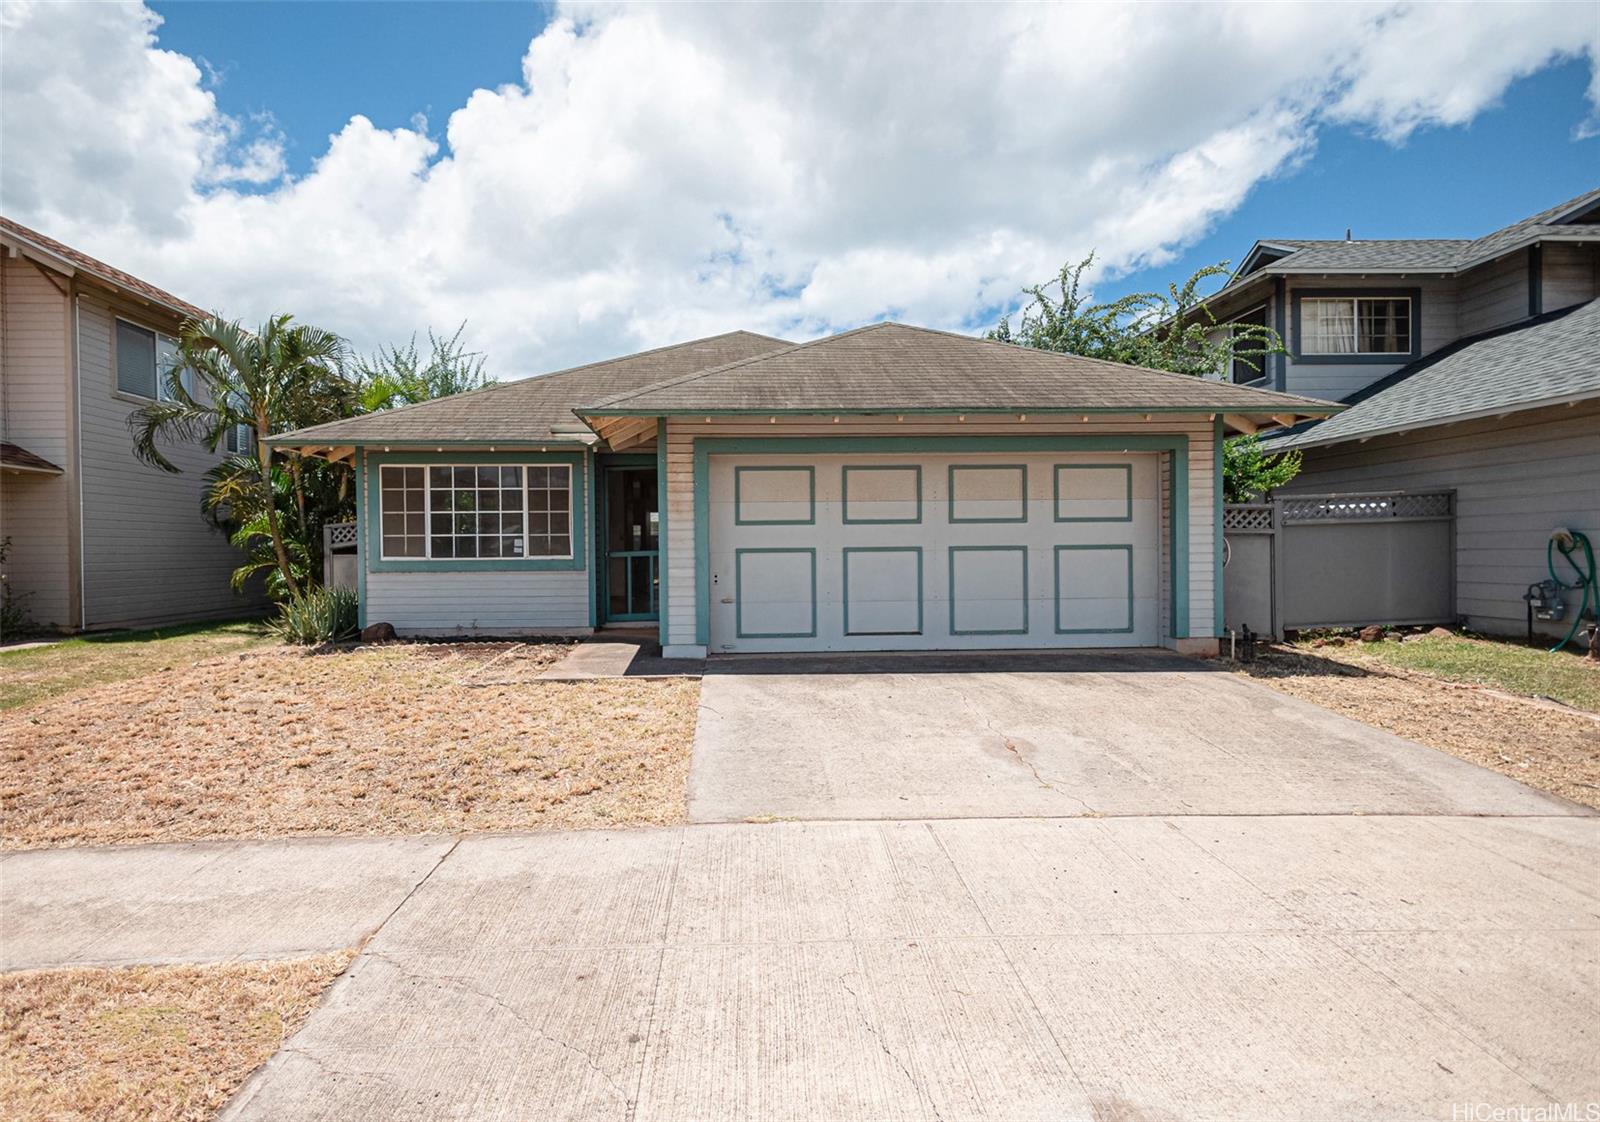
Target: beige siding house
888,488
97,539
1465,365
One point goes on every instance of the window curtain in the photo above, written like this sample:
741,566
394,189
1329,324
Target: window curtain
1329,326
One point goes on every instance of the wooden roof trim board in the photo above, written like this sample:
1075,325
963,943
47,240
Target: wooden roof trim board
68,261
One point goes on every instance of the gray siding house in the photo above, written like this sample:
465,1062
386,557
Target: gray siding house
1468,365
97,539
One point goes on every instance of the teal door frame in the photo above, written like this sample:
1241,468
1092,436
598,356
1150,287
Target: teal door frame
650,559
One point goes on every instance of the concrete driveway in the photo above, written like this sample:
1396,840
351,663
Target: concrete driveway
1023,734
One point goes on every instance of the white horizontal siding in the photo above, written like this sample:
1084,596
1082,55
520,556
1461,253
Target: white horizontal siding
681,433
448,603
1515,480
149,554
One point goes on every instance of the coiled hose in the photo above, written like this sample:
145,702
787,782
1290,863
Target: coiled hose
1569,543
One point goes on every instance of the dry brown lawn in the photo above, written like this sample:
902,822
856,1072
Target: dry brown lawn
1535,742
402,739
147,1043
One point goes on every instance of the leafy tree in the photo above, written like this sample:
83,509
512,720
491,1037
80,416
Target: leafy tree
1174,331
398,375
226,380
1248,472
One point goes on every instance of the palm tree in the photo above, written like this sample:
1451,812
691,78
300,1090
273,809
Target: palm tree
226,381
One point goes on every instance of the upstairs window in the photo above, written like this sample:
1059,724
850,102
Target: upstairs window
1356,325
1249,364
143,359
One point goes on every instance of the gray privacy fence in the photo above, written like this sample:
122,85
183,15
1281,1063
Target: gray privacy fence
1339,561
339,558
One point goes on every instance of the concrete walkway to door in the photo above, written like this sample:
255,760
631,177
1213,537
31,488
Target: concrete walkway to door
1018,734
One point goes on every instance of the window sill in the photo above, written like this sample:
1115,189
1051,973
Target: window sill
1356,359
478,565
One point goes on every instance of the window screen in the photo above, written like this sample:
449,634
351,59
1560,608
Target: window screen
136,360
1359,325
476,511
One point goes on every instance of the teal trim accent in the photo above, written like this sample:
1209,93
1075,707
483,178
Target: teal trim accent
738,498
601,582
1128,630
844,495
917,549
951,496
1026,605
625,459
1178,503
738,597
661,505
919,411
1176,444
1126,469
1216,526
591,473
361,541
372,540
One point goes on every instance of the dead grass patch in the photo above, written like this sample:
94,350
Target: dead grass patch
402,739
147,1043
1535,743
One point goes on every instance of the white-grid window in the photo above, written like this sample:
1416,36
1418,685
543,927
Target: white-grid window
476,512
405,514
1367,325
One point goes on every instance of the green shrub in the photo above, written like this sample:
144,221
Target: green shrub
319,615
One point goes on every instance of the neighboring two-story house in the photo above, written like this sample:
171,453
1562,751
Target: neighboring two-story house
1470,365
97,539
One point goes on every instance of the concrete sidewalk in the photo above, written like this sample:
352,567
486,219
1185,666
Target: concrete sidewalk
1224,967
203,901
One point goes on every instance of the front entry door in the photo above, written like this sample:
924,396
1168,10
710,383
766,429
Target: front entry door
629,578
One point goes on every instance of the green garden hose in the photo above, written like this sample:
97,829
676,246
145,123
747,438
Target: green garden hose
1569,542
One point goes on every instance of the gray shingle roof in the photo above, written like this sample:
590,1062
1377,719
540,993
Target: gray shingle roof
529,410
18,458
893,368
1552,358
1417,255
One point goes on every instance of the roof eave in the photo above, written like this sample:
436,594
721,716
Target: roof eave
1453,419
26,247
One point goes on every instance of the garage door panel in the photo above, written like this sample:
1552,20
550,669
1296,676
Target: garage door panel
1094,589
988,493
774,495
881,494
775,593
883,590
988,589
1093,492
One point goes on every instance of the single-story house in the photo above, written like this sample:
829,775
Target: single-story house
887,488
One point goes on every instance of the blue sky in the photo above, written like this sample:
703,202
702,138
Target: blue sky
625,176
393,61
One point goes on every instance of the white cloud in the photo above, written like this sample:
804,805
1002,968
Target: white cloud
661,173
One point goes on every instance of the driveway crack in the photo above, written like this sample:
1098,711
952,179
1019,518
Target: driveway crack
905,1069
1011,746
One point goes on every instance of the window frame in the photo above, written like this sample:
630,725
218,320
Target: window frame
1358,358
157,336
372,512
1265,372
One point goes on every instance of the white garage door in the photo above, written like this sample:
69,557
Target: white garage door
968,551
